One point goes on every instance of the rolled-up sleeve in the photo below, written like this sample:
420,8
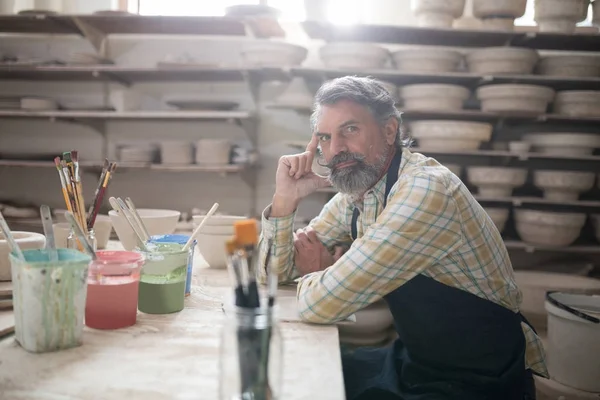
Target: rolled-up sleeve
419,226
277,237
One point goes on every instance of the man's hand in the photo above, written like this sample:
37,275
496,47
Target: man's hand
295,180
309,253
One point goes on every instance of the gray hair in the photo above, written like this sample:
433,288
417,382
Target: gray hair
365,91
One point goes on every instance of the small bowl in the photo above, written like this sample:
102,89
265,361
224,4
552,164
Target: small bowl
519,147
26,241
157,221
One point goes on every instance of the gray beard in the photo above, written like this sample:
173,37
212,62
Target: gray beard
356,179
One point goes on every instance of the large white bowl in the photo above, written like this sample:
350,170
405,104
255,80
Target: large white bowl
212,249
515,97
264,53
26,241
496,181
157,221
560,15
578,103
446,135
434,96
548,228
563,143
502,60
353,55
437,13
563,185
427,60
495,8
575,66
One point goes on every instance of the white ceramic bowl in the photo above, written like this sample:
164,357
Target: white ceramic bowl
563,143
496,181
519,147
495,8
371,327
434,96
578,103
212,249
563,185
548,228
213,151
575,66
353,55
427,60
26,241
498,24
157,221
498,215
264,53
571,10
102,230
454,8
515,97
38,103
502,60
455,135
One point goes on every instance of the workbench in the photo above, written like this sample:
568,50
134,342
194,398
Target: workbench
173,356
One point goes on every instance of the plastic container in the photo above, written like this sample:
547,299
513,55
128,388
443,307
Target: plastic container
113,285
49,299
180,239
162,284
574,340
249,336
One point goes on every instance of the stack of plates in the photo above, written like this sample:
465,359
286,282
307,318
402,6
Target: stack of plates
10,103
38,103
213,151
137,153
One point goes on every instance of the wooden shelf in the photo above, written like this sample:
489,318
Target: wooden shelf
129,115
120,74
458,78
231,168
122,24
530,248
450,37
518,201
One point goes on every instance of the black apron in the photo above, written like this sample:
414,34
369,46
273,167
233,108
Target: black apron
451,344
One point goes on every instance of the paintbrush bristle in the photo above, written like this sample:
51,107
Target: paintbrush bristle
67,157
57,162
246,233
74,156
113,167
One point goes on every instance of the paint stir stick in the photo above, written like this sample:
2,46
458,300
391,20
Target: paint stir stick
48,232
14,247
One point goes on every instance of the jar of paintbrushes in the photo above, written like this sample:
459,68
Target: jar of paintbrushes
73,243
251,350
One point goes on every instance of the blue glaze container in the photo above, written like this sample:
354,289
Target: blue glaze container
179,239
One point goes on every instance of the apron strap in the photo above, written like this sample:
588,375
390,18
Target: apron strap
390,180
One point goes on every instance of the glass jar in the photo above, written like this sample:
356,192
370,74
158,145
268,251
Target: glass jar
72,242
251,355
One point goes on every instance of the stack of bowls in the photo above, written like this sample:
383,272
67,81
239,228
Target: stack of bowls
213,151
515,97
174,152
157,222
211,240
431,96
450,135
502,60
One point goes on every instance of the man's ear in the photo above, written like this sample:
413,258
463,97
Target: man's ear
391,130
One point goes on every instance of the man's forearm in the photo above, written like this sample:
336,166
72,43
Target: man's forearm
283,206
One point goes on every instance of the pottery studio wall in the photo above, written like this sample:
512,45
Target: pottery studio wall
182,190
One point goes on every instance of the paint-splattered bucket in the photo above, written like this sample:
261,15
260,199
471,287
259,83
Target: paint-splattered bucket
49,298
180,239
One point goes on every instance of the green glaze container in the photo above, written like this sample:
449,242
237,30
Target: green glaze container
162,284
49,298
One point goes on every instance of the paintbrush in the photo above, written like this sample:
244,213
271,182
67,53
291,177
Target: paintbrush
91,218
109,174
246,237
63,183
234,272
79,190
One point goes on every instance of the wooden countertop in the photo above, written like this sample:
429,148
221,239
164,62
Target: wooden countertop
173,356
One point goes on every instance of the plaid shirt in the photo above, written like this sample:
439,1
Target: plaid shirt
431,225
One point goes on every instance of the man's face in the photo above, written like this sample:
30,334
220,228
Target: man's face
354,145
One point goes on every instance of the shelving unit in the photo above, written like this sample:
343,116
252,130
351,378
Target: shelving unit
95,28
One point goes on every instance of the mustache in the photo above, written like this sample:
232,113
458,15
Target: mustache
343,157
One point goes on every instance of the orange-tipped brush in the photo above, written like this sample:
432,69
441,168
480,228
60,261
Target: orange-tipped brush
246,237
63,184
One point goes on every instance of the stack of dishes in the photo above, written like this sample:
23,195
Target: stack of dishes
428,96
515,97
137,153
547,228
211,241
213,152
176,153
10,103
38,103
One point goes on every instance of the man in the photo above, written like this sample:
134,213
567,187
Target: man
418,239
